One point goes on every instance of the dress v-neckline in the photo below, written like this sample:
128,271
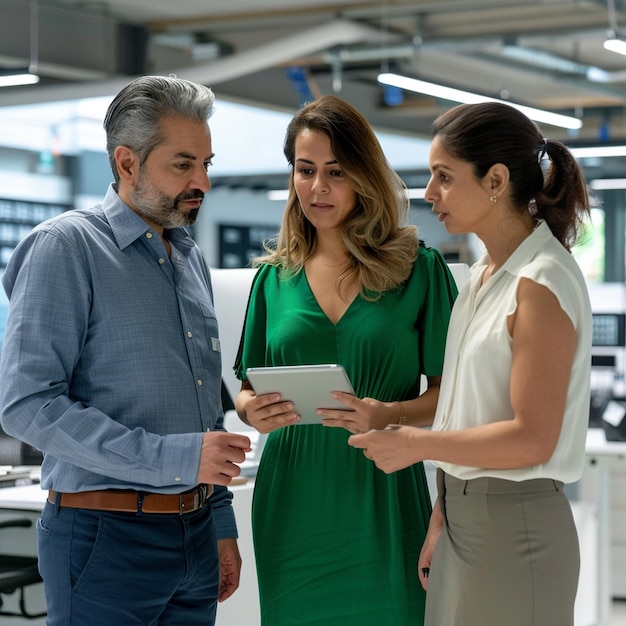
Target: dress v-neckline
343,314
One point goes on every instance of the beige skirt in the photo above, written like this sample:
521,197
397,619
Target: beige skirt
507,556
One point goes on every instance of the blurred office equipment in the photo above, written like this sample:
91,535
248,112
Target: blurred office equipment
17,453
608,359
17,572
605,476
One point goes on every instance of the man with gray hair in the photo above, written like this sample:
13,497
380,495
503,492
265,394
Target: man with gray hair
111,366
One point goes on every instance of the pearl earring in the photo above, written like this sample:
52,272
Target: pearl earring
494,198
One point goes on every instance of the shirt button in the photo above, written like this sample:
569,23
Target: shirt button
149,235
161,261
178,479
199,383
189,334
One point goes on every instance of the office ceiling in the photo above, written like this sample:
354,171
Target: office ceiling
278,53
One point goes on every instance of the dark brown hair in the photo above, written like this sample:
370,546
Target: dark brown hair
544,176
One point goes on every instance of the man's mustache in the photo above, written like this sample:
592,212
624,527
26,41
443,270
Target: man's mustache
196,194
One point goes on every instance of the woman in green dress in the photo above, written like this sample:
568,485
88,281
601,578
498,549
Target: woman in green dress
336,540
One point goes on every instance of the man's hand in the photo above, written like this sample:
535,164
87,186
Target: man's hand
230,567
221,452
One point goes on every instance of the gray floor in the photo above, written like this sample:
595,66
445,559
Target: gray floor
618,617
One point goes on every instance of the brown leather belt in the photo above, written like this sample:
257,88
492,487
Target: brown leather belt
123,501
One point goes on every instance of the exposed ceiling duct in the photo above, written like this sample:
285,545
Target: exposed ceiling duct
248,50
316,39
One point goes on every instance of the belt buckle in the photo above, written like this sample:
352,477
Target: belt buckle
199,498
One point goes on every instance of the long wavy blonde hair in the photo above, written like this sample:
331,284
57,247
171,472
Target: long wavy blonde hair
381,245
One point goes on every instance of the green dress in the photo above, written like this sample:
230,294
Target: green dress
336,540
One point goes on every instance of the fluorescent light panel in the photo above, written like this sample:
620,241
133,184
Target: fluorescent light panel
467,97
600,184
615,45
12,80
599,151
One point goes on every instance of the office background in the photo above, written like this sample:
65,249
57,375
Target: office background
264,58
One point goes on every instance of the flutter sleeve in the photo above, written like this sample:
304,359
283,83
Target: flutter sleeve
434,316
252,344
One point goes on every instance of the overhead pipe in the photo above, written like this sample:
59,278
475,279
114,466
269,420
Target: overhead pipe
316,39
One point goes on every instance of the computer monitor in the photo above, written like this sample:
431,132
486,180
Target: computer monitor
608,330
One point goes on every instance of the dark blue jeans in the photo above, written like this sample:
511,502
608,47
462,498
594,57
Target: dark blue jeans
106,569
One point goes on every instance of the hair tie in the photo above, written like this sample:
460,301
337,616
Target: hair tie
543,149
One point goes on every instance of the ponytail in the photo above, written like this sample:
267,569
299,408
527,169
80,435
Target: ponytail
563,202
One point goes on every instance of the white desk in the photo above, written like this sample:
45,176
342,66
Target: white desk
242,609
601,455
28,498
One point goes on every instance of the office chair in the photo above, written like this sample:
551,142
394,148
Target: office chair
17,571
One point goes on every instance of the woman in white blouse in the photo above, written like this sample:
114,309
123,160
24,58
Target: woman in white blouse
512,416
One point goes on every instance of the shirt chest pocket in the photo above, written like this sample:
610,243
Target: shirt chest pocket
209,327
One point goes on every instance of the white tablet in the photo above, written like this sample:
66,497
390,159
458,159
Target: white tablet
307,386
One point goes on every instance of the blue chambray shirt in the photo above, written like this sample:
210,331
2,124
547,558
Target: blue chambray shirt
111,363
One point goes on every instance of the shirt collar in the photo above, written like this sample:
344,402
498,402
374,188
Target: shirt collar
127,226
526,250
533,244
